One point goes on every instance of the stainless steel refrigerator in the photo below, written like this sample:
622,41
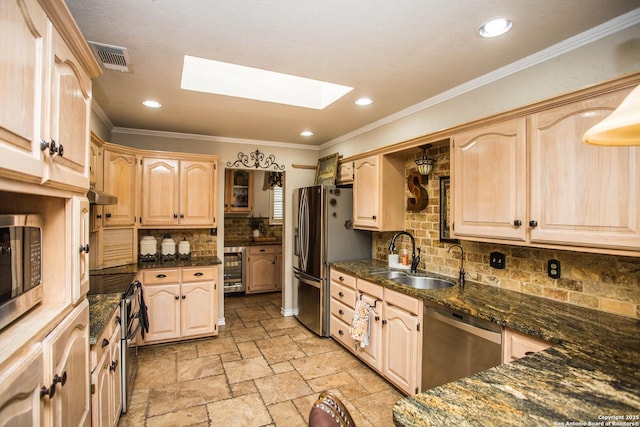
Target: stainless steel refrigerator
323,234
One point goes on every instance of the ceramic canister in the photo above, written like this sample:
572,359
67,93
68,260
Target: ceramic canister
184,247
168,246
148,245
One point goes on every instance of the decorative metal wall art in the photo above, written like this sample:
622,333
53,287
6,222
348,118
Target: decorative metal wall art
256,159
445,210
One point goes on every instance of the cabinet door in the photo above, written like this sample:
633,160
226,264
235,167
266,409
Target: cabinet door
366,193
95,165
163,303
372,353
345,173
489,182
582,194
261,273
69,118
66,352
115,380
79,248
120,180
101,393
20,403
197,193
23,46
160,179
401,348
238,191
196,309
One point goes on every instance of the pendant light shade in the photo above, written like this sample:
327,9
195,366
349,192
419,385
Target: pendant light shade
620,128
425,164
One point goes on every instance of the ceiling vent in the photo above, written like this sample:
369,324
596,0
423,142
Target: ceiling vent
111,57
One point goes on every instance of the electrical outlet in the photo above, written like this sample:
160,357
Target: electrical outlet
553,268
497,260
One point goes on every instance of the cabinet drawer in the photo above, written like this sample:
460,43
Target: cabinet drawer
160,276
258,250
198,274
340,331
341,311
370,289
404,302
343,294
342,278
518,345
98,348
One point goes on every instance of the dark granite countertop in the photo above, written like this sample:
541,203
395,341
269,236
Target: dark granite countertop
592,371
101,308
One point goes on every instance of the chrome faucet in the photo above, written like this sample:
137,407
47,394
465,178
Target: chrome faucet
462,273
415,259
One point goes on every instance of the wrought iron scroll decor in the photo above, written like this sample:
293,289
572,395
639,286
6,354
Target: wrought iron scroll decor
256,159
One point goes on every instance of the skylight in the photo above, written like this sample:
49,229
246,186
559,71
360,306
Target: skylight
222,78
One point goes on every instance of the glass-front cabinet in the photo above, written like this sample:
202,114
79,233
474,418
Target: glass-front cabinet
238,191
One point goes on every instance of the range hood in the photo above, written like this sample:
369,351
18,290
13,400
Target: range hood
97,197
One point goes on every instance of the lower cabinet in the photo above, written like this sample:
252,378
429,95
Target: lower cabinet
181,303
20,384
516,345
106,392
264,269
66,371
395,330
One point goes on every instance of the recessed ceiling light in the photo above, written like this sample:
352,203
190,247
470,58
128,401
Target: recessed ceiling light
495,27
306,133
363,101
151,104
222,78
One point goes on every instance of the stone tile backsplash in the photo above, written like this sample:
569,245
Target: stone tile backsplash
601,282
238,228
201,240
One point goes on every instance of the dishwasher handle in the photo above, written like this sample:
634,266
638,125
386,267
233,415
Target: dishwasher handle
494,337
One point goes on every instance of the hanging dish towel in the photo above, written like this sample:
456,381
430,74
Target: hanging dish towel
359,329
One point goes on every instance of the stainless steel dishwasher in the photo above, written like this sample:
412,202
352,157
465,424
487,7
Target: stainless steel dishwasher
456,345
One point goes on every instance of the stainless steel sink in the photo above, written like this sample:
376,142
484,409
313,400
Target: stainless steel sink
422,282
390,274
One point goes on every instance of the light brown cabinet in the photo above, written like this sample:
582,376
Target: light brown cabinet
516,345
345,173
20,384
264,269
182,303
81,248
238,191
106,402
378,193
178,192
395,328
532,181
66,368
120,181
44,119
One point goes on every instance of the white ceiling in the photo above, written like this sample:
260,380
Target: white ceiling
397,52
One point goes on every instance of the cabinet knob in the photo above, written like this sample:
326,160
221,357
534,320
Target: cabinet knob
198,274
341,278
175,215
84,248
62,379
108,215
384,321
105,342
341,312
529,353
184,296
161,276
113,366
340,332
517,223
177,297
99,216
377,318
374,217
60,150
340,294
533,224
181,215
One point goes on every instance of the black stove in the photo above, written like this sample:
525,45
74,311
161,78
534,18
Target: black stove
113,283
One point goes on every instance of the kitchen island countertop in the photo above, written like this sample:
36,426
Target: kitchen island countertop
590,375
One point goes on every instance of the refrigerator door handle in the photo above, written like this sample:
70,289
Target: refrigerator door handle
303,231
308,281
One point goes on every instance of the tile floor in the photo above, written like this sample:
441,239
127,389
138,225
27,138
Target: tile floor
262,370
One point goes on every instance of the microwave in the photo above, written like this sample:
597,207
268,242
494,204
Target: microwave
20,265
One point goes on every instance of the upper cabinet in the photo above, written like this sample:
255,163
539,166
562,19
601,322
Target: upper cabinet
238,191
531,180
345,173
489,177
378,193
177,192
44,119
120,180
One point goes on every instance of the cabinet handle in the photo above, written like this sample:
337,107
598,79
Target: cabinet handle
161,276
108,215
529,353
105,342
373,217
340,332
340,294
184,296
341,312
99,216
177,297
44,145
198,274
262,250
60,379
181,215
533,224
175,215
113,366
517,223
377,318
84,248
60,150
384,321
44,391
341,278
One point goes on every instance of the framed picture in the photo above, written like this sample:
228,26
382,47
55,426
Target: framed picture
327,170
445,210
